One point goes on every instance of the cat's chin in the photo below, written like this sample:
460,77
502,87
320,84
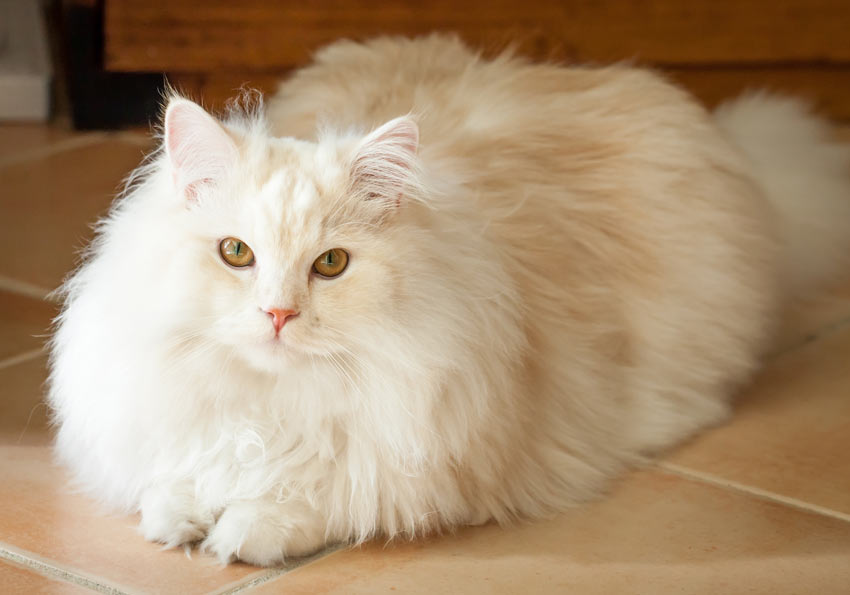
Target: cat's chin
274,355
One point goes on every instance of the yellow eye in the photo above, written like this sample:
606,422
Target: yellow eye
331,263
236,253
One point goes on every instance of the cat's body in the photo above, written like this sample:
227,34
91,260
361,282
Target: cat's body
578,268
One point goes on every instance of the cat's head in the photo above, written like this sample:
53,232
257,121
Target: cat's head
296,248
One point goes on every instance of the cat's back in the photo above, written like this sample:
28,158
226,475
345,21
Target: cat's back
362,85
457,94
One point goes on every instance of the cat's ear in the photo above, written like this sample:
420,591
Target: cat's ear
385,165
198,148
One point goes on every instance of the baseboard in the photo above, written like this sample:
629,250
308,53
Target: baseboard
25,72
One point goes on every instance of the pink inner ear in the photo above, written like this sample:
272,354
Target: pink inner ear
386,159
398,139
199,149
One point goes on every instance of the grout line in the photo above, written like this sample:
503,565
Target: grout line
24,288
53,570
812,336
21,358
249,582
275,573
752,491
58,147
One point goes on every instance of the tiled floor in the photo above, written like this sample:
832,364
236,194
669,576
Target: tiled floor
761,505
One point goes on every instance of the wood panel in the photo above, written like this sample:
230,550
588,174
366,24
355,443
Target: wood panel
827,87
215,35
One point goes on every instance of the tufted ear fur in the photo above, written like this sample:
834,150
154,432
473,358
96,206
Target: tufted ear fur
385,163
199,149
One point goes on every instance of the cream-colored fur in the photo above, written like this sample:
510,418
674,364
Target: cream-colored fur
554,273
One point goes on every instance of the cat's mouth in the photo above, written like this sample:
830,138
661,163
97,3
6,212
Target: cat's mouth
280,344
276,342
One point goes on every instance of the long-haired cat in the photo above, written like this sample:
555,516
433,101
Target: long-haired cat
422,289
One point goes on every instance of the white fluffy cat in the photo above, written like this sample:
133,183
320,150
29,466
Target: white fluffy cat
332,320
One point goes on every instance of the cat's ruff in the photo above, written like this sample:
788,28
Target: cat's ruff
549,274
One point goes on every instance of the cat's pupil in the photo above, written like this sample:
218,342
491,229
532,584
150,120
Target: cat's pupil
237,248
329,259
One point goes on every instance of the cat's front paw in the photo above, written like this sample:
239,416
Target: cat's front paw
265,533
170,516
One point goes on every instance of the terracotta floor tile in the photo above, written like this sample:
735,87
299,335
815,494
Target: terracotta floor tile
24,322
15,579
23,414
657,533
791,430
40,514
48,205
20,138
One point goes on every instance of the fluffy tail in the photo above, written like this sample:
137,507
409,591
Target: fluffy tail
805,173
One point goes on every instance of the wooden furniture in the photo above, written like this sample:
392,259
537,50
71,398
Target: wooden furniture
714,47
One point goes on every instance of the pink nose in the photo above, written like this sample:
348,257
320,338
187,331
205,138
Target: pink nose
280,316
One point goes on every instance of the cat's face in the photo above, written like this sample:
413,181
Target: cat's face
293,243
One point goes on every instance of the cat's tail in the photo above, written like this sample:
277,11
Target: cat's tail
805,173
